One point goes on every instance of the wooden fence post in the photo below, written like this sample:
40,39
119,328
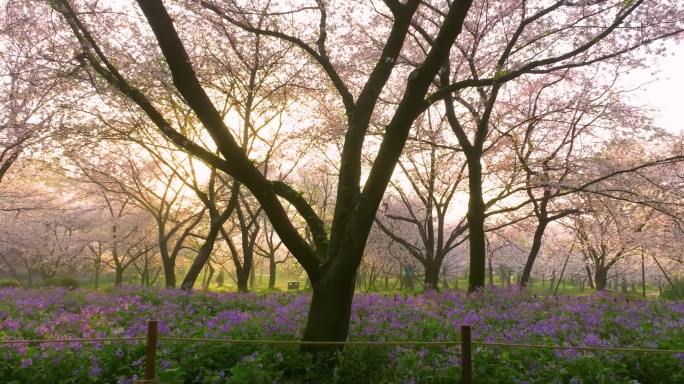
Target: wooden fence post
151,351
466,356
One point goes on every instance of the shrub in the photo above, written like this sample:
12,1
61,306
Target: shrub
670,294
9,284
63,282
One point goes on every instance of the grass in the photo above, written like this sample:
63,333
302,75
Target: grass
281,285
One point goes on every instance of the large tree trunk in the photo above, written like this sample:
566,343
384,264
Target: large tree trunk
169,273
601,278
243,280
330,312
431,276
118,277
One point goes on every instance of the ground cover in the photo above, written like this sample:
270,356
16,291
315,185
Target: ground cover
496,316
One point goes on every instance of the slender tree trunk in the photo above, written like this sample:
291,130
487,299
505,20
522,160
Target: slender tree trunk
491,272
243,274
168,262
252,277
643,274
590,278
209,276
271,272
534,252
601,278
203,254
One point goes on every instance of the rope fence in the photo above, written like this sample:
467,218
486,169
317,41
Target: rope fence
465,343
40,341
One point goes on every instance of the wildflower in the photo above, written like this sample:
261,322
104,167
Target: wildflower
95,371
25,363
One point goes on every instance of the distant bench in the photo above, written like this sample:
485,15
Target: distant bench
292,285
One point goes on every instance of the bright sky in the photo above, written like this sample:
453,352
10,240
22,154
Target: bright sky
666,93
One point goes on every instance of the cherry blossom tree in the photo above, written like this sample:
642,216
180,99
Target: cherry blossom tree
416,55
48,238
121,233
31,86
424,200
150,186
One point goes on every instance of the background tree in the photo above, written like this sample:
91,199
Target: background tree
31,85
555,134
152,187
427,203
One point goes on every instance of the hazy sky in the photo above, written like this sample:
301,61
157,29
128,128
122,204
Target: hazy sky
667,93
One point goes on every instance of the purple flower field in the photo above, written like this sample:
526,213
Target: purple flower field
495,316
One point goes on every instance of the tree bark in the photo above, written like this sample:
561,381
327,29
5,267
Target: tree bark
118,277
271,272
431,276
168,261
534,252
476,219
169,273
330,312
202,257
589,277
601,278
243,278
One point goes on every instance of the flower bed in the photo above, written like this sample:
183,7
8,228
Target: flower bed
495,316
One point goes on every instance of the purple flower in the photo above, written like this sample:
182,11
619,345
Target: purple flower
95,371
26,363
